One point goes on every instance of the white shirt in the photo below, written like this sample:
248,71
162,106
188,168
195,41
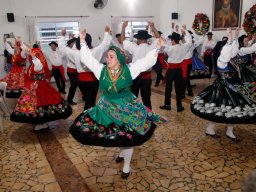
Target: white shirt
74,54
193,46
138,51
54,57
230,50
208,45
176,53
135,68
68,52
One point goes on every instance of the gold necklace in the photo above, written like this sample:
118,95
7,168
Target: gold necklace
114,77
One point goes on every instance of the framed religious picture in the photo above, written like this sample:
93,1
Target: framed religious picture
226,14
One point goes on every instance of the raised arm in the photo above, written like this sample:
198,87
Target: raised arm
226,52
187,37
87,57
147,62
153,28
98,51
125,23
38,66
62,43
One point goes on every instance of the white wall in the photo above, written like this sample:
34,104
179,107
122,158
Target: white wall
94,24
160,9
187,9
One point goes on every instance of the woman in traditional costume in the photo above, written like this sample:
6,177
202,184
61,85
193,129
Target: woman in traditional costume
230,98
39,102
16,77
119,119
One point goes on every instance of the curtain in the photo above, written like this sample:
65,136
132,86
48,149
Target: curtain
31,29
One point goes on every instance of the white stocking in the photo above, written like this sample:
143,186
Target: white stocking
120,154
127,153
210,128
230,131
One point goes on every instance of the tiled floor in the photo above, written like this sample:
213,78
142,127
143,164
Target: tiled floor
179,157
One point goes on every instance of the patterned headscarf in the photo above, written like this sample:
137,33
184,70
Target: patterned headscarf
119,54
39,54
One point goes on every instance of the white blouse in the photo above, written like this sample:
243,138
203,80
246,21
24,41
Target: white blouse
230,50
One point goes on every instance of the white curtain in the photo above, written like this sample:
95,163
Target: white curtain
31,29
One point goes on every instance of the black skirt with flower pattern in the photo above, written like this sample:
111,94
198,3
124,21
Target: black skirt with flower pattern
86,131
44,114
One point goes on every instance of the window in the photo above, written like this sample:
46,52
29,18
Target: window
134,26
51,31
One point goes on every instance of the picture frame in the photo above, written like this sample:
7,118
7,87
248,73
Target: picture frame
226,14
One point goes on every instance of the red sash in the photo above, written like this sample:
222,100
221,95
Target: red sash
174,65
145,75
86,76
208,52
71,70
61,68
184,67
162,60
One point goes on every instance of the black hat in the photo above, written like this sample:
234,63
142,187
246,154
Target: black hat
142,34
209,33
54,43
71,41
190,32
118,35
175,36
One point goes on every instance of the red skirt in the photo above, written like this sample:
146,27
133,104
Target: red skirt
46,94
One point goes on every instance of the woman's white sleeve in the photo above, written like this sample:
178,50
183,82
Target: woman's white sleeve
37,64
90,62
235,48
225,56
144,63
247,50
98,51
23,54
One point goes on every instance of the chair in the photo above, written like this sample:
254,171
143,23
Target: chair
3,104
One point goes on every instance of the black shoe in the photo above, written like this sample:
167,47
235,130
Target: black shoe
125,175
72,103
166,107
236,139
119,159
190,94
179,109
213,136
